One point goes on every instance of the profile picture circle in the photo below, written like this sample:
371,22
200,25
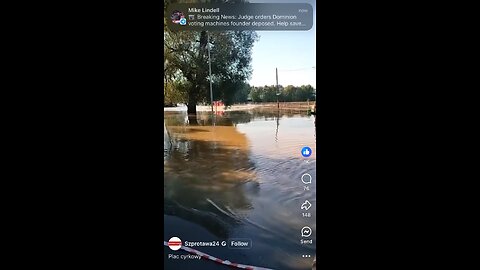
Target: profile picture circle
177,17
174,243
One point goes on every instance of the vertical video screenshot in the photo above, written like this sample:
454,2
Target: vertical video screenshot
240,135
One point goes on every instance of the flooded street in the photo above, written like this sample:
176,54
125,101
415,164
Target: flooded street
238,175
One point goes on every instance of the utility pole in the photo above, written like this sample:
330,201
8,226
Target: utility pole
278,93
210,70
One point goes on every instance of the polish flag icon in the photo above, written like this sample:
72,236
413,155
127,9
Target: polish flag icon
174,243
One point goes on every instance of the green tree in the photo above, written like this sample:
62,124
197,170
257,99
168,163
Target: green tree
256,94
288,93
304,92
187,59
175,91
270,93
241,96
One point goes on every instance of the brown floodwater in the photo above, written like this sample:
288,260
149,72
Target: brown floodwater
238,175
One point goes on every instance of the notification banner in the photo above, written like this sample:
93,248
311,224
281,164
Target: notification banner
244,16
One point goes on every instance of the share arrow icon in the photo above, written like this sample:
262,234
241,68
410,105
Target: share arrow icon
306,205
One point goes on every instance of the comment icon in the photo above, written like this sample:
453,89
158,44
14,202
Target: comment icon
306,178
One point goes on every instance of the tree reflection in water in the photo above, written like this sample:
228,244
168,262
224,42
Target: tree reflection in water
203,162
206,157
212,176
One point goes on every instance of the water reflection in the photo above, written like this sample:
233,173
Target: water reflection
238,176
207,166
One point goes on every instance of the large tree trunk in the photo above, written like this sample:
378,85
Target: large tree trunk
192,104
193,93
192,109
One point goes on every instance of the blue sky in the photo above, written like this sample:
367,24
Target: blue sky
288,51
